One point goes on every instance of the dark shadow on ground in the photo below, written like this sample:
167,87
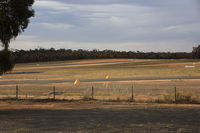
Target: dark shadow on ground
130,120
22,73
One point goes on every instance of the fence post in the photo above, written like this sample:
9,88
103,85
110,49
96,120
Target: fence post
132,97
92,92
17,92
175,95
54,92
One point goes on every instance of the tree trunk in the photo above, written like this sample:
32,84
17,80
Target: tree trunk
6,46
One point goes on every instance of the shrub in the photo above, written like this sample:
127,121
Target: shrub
186,97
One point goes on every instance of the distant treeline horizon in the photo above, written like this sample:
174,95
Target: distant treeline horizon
44,55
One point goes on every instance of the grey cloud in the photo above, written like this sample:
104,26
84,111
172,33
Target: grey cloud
116,21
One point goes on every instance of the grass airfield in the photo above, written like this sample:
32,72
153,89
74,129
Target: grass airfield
36,80
94,69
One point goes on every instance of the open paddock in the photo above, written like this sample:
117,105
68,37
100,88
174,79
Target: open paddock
135,80
98,69
125,102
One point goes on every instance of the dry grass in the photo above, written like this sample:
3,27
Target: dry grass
134,68
159,90
143,91
112,111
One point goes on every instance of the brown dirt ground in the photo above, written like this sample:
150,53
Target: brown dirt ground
97,117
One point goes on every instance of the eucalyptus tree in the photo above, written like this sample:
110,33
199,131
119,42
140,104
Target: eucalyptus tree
14,19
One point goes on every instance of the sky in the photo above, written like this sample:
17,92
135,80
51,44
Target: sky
125,25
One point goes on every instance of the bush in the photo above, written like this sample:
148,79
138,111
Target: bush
183,97
168,98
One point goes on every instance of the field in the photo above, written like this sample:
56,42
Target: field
128,101
145,80
95,69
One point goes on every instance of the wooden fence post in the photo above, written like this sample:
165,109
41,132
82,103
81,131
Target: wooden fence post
175,95
17,92
92,92
54,92
132,97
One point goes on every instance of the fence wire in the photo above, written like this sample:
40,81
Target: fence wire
127,90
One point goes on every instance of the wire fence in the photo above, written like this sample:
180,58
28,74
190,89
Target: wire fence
139,91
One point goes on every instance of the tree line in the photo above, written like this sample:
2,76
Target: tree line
41,55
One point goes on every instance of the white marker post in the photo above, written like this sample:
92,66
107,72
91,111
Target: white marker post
108,77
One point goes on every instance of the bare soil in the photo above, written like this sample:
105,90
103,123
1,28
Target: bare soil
97,117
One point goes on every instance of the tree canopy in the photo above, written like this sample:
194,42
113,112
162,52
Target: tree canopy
14,19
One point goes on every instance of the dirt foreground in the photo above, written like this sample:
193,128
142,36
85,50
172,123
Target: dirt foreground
97,117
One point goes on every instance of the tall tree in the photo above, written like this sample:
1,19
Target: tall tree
14,19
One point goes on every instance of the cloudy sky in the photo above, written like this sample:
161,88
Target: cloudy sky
130,25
